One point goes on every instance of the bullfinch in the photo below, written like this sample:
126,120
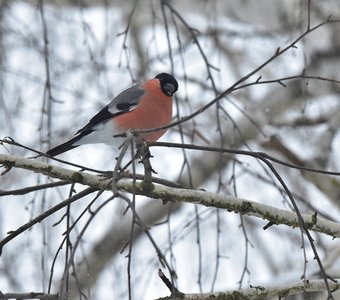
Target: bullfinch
143,106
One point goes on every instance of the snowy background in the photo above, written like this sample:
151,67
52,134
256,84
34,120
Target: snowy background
61,62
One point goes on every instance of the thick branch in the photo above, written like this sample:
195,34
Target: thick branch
30,295
260,292
272,214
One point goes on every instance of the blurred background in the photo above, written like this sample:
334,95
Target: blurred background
62,61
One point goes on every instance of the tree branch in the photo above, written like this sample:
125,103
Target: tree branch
259,292
272,214
30,295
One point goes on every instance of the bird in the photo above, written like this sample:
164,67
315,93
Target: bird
145,105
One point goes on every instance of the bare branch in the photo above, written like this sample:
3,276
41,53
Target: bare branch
31,295
230,203
258,292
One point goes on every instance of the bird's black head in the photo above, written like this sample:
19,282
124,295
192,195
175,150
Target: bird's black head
169,84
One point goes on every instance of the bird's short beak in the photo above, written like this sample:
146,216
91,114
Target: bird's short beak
169,89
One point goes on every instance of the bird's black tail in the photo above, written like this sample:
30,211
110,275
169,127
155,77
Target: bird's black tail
63,147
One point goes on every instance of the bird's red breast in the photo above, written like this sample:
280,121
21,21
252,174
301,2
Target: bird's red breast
154,104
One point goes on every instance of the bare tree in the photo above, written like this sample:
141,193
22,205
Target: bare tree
245,202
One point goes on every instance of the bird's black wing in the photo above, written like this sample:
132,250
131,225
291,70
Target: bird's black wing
124,102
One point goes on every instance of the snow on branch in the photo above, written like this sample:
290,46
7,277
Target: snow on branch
272,214
259,292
